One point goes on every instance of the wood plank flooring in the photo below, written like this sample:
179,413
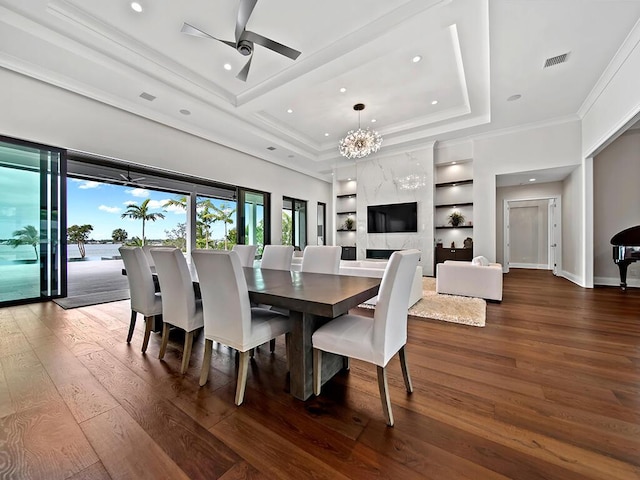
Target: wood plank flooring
550,388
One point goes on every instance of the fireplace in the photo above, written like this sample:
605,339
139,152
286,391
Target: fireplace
379,254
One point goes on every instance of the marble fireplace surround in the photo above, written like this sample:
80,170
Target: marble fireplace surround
400,178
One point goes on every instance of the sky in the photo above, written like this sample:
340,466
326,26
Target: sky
101,205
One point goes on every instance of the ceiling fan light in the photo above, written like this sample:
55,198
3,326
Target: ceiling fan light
136,7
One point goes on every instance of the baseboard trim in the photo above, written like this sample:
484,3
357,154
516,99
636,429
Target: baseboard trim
532,266
572,278
615,282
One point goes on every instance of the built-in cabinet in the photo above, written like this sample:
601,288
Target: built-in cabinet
453,195
346,219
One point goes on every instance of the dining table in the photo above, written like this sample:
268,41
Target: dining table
312,299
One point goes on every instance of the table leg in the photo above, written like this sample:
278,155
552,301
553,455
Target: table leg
301,351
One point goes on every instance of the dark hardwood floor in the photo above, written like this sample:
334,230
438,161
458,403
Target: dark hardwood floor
550,388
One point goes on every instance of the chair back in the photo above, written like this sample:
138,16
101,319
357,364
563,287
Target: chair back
141,287
147,252
277,257
179,300
247,254
390,317
321,259
225,297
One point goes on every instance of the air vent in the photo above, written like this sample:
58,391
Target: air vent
550,62
147,96
271,148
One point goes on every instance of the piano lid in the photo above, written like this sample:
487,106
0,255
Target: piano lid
628,236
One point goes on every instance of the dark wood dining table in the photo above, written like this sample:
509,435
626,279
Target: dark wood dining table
312,299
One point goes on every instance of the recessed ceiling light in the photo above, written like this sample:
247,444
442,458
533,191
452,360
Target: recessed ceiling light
435,102
184,111
515,97
227,66
349,179
453,163
373,120
290,111
342,90
416,59
136,7
532,179
326,134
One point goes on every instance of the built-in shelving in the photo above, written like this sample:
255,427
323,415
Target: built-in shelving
346,209
454,205
455,183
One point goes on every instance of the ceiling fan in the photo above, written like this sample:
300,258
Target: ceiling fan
245,39
129,180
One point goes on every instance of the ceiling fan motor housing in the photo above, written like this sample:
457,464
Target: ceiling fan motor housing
245,47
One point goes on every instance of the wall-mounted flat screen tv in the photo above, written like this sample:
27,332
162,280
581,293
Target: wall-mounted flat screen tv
393,218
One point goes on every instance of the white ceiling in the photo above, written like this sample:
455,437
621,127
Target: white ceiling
475,54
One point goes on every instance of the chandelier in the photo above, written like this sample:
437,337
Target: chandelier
360,143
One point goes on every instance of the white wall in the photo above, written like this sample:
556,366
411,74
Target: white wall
573,246
34,111
556,145
616,171
616,99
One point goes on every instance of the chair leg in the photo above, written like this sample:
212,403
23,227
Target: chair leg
317,371
346,363
206,361
272,345
243,367
405,370
148,323
384,395
132,325
186,352
165,340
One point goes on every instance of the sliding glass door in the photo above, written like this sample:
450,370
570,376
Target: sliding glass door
32,227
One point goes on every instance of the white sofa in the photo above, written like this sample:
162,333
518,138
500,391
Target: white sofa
469,280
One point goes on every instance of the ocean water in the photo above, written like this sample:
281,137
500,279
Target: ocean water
93,252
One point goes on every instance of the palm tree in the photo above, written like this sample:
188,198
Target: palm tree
141,212
26,236
223,214
119,235
79,234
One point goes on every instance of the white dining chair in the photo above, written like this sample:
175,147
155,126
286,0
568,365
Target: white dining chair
144,299
374,341
179,305
247,254
277,257
321,259
228,317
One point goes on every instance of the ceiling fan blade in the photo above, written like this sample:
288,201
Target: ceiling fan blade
244,12
245,70
191,30
271,45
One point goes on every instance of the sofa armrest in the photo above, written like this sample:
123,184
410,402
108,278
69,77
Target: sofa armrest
466,279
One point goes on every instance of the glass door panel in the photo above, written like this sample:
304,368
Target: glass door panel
252,221
31,257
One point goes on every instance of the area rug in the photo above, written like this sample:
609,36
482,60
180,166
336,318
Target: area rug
92,299
447,308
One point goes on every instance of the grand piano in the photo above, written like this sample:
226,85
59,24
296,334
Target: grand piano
626,250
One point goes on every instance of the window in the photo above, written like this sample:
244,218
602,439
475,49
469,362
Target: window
253,219
294,222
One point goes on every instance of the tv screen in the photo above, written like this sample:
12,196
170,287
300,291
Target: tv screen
397,217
